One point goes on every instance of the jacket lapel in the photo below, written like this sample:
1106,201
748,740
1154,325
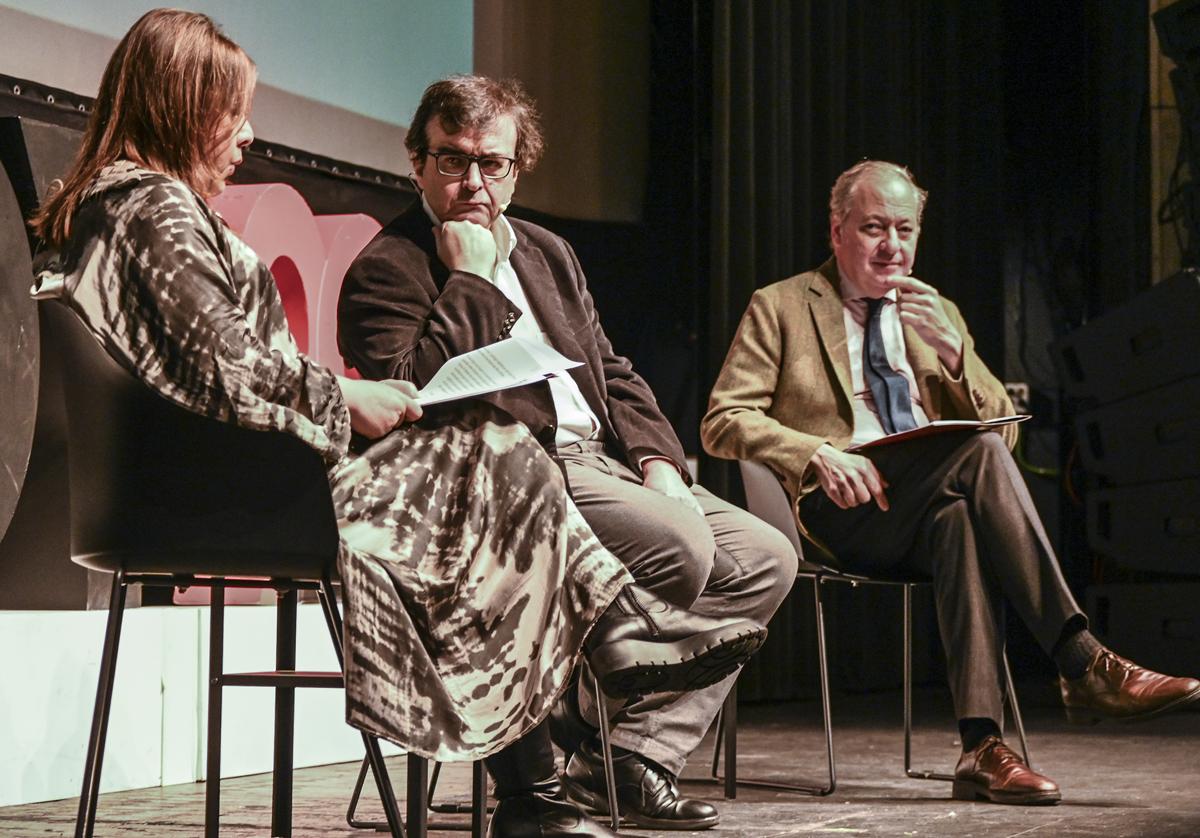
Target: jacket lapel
415,225
538,283
547,303
825,302
926,370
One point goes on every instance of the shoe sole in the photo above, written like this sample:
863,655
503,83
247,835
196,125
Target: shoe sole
970,790
1084,716
597,804
692,664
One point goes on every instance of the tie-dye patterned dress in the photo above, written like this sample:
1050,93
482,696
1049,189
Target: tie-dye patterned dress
469,579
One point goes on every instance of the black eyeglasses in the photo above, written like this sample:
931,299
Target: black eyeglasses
456,164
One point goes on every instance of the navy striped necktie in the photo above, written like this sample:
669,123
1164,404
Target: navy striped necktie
889,388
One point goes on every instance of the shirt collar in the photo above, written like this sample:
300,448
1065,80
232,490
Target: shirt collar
506,237
502,231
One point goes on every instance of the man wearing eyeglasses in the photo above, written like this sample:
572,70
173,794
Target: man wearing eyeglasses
452,274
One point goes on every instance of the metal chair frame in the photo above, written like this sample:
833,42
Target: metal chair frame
478,808
284,679
162,496
772,506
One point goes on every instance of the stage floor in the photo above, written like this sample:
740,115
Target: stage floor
1117,780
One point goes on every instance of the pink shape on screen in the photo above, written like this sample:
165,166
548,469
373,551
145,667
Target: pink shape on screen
278,224
308,256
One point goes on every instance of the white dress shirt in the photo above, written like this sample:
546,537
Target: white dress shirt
867,426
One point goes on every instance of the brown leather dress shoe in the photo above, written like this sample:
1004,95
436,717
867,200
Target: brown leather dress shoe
1114,688
993,772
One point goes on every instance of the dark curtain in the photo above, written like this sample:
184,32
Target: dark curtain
800,92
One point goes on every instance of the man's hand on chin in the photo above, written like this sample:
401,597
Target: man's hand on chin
466,246
921,308
664,478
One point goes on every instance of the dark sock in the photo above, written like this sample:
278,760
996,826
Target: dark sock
1074,652
975,730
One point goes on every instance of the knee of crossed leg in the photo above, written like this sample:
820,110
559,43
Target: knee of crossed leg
682,564
780,560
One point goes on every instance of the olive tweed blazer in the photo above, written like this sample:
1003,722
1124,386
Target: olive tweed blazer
785,390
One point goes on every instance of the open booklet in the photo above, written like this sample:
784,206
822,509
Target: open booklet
512,362
941,426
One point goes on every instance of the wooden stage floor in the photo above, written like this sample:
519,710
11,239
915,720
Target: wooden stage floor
1117,780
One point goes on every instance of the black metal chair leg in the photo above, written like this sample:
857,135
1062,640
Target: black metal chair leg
826,695
727,726
729,720
916,774
417,799
393,824
1015,708
374,757
285,715
216,670
355,794
610,781
85,820
714,770
478,799
1009,688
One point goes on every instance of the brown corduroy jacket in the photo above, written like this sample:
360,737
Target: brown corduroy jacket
402,314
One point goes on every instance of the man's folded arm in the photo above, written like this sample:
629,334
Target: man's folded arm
976,393
393,322
737,425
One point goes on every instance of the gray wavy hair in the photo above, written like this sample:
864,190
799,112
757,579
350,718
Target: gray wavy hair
847,183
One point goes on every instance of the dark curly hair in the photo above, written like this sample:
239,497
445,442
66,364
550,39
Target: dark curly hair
473,103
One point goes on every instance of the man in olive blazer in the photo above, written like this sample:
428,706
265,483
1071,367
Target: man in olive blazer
856,351
785,390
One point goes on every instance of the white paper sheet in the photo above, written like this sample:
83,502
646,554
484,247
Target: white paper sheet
509,363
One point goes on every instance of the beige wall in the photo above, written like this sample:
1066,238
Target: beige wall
587,62
72,59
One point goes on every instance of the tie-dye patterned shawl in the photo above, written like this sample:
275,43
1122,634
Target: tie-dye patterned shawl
189,308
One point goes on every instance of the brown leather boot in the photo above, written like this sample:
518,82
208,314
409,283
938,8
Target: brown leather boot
643,644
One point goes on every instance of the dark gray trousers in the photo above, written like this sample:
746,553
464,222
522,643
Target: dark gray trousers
962,516
725,564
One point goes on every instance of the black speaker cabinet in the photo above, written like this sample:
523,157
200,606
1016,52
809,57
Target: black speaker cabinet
1157,625
1152,527
1150,341
1152,436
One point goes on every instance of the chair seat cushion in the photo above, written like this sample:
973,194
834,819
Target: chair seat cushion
309,566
